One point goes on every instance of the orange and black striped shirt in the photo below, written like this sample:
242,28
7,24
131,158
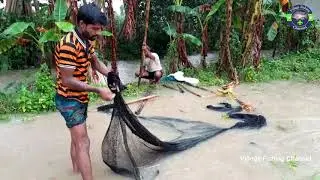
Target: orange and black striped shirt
71,52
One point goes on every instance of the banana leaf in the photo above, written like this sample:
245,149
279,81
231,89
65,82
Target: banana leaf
65,26
60,10
106,33
192,39
182,9
6,44
49,36
273,31
16,29
171,31
214,9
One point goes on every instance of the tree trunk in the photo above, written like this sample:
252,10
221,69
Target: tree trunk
129,26
113,38
225,55
204,36
26,7
74,11
275,47
258,42
36,5
18,7
51,6
245,18
182,51
253,35
204,50
10,6
144,38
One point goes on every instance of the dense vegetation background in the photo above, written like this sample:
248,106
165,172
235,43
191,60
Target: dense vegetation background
245,28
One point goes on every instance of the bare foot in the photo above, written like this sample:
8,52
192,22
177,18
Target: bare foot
75,170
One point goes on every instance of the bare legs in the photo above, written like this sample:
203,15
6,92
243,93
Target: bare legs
73,153
80,145
156,78
144,74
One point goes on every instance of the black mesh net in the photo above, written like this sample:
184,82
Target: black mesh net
133,144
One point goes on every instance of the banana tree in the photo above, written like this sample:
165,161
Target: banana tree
36,5
179,11
129,25
51,6
225,62
252,34
144,38
39,35
276,26
198,12
19,7
173,55
277,16
73,6
24,32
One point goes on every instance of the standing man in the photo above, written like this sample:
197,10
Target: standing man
152,66
73,55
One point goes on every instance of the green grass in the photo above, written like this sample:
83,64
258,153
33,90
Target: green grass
299,66
206,76
133,90
9,103
296,66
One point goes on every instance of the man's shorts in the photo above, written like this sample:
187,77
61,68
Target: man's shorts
151,75
73,111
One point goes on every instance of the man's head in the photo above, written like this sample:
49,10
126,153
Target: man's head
90,21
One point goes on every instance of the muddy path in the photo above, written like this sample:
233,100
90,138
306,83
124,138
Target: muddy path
39,149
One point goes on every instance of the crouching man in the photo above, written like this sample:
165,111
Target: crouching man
152,67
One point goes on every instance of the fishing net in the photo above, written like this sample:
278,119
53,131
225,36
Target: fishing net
133,145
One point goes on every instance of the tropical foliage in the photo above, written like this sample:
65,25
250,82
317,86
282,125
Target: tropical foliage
237,30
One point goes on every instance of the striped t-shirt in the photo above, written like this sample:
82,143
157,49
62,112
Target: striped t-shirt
71,52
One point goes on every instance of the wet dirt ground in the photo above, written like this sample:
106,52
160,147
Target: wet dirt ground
39,149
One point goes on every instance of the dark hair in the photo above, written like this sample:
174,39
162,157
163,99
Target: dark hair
91,14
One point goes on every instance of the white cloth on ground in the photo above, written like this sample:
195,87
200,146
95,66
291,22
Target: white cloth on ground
180,77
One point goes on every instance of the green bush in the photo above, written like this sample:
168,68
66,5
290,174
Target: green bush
20,57
40,96
8,104
295,66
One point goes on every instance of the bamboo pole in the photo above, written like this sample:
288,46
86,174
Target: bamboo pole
110,106
142,99
144,40
192,92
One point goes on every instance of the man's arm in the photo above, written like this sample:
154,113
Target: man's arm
150,55
73,83
99,66
147,53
